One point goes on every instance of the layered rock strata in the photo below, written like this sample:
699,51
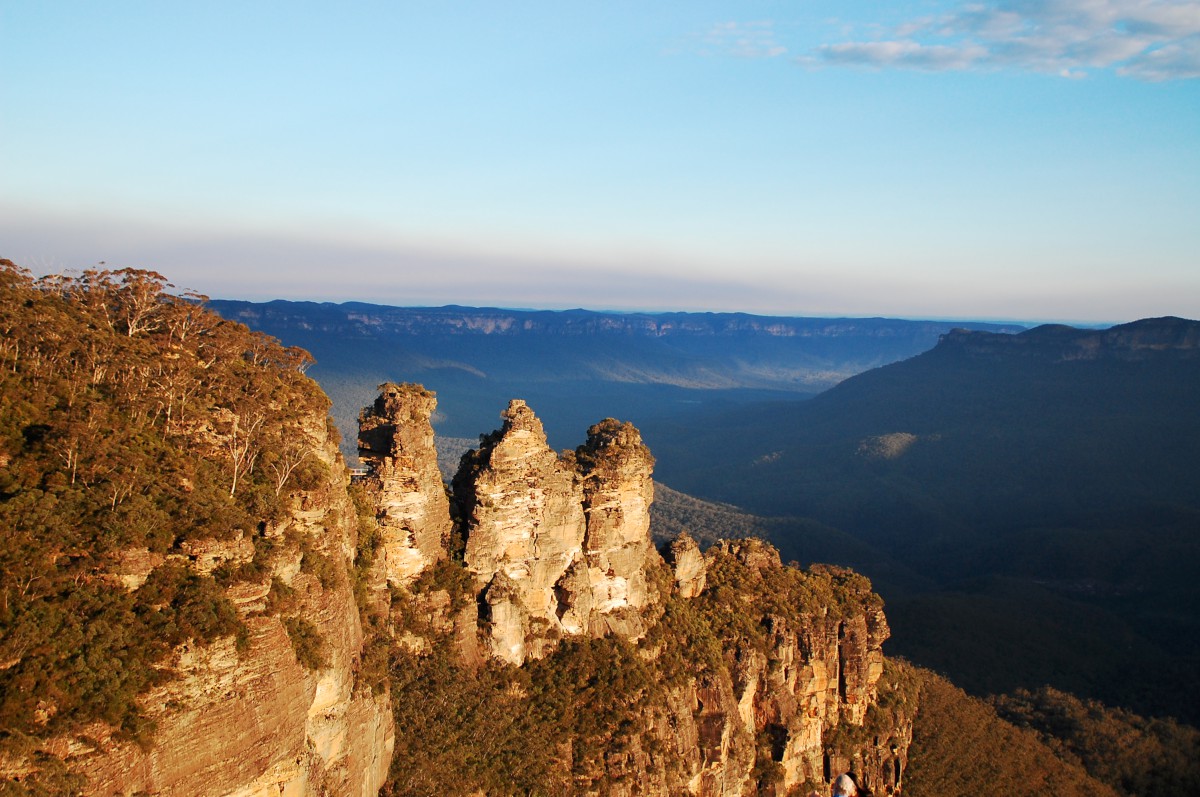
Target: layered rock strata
786,706
245,716
614,466
558,545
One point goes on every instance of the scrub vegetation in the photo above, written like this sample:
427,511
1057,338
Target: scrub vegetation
131,420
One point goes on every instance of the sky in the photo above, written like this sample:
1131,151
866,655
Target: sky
998,159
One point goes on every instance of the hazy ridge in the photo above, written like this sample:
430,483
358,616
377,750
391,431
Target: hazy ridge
578,366
1028,504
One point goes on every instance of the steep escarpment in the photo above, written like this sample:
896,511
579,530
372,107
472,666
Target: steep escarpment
177,616
279,707
605,669
803,653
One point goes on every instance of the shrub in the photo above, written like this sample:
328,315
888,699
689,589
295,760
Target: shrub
307,642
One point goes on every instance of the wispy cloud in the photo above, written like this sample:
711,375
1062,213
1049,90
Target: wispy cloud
743,40
1145,39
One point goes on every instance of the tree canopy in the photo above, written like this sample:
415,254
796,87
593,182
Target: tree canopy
131,420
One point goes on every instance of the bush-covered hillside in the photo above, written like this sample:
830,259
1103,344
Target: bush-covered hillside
1135,755
132,422
960,746
1028,504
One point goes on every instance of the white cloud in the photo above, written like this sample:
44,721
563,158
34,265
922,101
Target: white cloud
743,40
934,57
1172,61
1145,39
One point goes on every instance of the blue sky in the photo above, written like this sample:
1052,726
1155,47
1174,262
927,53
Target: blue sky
1034,159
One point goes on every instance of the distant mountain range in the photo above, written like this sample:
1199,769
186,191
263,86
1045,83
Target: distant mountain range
1008,424
1027,501
1029,504
578,366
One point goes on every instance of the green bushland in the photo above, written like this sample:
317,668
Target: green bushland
740,601
376,651
307,642
960,746
130,419
582,717
1134,755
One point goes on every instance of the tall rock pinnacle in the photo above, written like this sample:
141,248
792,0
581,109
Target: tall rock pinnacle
395,440
615,466
559,543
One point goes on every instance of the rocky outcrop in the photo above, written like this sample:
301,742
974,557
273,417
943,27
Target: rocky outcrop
233,634
798,691
787,700
558,544
614,466
245,716
771,687
523,519
687,564
395,441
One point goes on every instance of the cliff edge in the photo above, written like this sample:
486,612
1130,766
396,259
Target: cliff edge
719,673
178,613
197,600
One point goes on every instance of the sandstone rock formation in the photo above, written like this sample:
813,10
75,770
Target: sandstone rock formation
248,718
687,563
789,690
396,443
614,466
214,609
558,544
